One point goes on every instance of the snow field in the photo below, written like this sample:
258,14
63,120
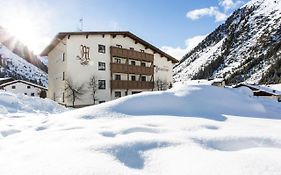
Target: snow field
190,129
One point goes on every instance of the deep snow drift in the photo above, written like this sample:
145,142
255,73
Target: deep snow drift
17,103
190,129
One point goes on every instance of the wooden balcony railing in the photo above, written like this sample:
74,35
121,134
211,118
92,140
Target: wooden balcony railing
124,84
131,69
132,54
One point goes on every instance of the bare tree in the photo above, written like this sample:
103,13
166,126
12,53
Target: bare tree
161,85
93,86
74,91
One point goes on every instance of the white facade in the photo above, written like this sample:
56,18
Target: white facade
23,87
64,65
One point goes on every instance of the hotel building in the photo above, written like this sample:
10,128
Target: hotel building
121,63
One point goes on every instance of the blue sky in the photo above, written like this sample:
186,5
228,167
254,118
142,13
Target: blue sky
168,24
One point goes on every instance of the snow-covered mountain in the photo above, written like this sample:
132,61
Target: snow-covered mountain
18,62
246,48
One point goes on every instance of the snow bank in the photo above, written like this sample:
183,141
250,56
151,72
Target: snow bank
180,131
191,99
15,103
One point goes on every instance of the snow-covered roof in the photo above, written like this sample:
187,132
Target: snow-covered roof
263,88
25,82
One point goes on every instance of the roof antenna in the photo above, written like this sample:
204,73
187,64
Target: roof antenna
81,24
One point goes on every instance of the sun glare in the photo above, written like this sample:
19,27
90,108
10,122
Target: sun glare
24,29
27,23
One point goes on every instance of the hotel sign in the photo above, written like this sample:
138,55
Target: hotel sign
85,55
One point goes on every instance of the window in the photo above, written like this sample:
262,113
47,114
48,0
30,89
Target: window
63,97
101,84
126,93
32,94
117,77
133,78
117,60
101,48
100,102
117,94
13,87
141,50
143,78
101,66
143,64
63,57
118,45
63,75
25,93
133,63
136,92
131,48
28,87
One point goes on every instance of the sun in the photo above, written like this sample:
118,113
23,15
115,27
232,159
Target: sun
28,21
24,28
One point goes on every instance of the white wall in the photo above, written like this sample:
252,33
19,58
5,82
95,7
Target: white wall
56,67
80,74
21,88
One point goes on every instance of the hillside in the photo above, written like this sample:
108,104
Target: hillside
246,48
11,65
18,62
149,133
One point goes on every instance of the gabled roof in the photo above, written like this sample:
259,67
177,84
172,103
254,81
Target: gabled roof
6,80
22,81
62,35
260,89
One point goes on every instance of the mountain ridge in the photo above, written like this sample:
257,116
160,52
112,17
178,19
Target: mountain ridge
243,49
18,62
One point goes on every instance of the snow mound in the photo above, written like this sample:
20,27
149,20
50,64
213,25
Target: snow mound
185,100
15,103
143,134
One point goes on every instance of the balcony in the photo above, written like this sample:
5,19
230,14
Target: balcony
132,54
130,69
124,84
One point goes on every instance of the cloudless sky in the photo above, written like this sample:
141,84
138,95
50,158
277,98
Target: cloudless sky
160,22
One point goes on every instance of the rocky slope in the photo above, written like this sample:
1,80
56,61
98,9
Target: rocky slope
18,62
246,48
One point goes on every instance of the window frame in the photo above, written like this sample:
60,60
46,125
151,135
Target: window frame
117,75
133,63
119,94
118,60
101,48
133,79
103,68
101,83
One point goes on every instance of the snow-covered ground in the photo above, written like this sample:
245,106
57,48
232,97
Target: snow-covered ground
193,129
